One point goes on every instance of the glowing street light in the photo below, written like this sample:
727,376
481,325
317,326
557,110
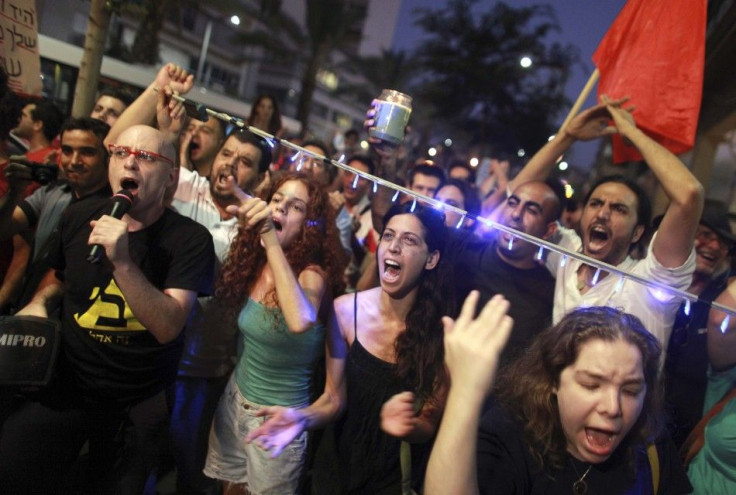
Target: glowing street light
474,162
562,165
525,62
432,151
521,152
448,142
235,20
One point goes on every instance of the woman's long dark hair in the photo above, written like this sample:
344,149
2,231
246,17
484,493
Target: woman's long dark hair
419,349
274,123
526,387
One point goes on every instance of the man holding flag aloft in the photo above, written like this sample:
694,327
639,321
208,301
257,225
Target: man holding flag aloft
617,212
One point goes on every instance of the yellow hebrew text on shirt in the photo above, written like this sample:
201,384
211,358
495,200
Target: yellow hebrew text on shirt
109,311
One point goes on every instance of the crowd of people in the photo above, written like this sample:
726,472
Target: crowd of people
263,322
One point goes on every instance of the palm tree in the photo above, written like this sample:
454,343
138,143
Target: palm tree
328,25
473,77
89,67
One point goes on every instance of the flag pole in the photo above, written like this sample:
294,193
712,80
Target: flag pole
581,99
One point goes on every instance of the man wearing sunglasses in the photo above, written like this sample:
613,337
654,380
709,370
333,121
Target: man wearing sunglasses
121,322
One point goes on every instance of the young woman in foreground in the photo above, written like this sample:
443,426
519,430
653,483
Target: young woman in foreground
577,413
384,361
281,270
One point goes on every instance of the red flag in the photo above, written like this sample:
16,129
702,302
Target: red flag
654,52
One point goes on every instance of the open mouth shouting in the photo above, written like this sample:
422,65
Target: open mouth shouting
601,442
221,179
391,271
194,148
129,184
598,236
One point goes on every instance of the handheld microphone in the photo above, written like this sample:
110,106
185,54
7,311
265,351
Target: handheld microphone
121,203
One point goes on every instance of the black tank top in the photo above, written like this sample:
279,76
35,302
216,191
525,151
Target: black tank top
368,457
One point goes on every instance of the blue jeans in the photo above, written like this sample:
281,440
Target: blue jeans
231,459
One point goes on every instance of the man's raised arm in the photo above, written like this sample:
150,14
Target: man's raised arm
143,109
589,124
675,235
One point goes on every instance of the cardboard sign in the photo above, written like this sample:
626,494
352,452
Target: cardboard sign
19,45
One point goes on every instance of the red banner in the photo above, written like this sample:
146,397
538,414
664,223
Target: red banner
654,52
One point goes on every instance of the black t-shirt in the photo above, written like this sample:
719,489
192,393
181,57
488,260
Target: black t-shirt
109,355
530,292
505,465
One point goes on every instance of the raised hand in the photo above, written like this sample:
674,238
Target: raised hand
18,173
593,122
175,77
283,425
336,200
472,346
169,112
369,122
623,118
397,415
252,212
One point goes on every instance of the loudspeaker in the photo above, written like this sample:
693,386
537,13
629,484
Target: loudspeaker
29,347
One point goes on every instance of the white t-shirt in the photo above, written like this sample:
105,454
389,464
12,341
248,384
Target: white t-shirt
194,200
655,308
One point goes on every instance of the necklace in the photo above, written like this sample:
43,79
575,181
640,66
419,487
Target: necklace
580,487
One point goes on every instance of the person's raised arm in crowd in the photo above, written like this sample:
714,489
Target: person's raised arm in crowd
589,124
385,156
674,240
472,348
143,110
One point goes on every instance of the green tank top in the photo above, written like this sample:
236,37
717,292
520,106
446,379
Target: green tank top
276,365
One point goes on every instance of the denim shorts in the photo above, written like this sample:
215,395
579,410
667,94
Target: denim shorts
229,458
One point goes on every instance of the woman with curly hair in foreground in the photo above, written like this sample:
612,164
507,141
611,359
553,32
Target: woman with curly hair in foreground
282,269
579,413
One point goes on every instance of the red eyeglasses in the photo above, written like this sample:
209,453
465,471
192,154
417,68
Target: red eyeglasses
147,157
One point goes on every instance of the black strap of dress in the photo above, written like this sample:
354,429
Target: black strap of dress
355,315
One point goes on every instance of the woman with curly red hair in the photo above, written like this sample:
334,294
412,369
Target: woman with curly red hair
282,269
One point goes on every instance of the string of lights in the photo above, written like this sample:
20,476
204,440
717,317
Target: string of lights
566,254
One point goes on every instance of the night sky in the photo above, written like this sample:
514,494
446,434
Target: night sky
582,24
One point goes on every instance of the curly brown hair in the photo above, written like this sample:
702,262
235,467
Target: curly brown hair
317,247
526,387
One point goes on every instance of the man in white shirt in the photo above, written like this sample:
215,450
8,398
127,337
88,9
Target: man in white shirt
615,217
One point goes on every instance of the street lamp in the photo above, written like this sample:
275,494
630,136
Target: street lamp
235,20
525,62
